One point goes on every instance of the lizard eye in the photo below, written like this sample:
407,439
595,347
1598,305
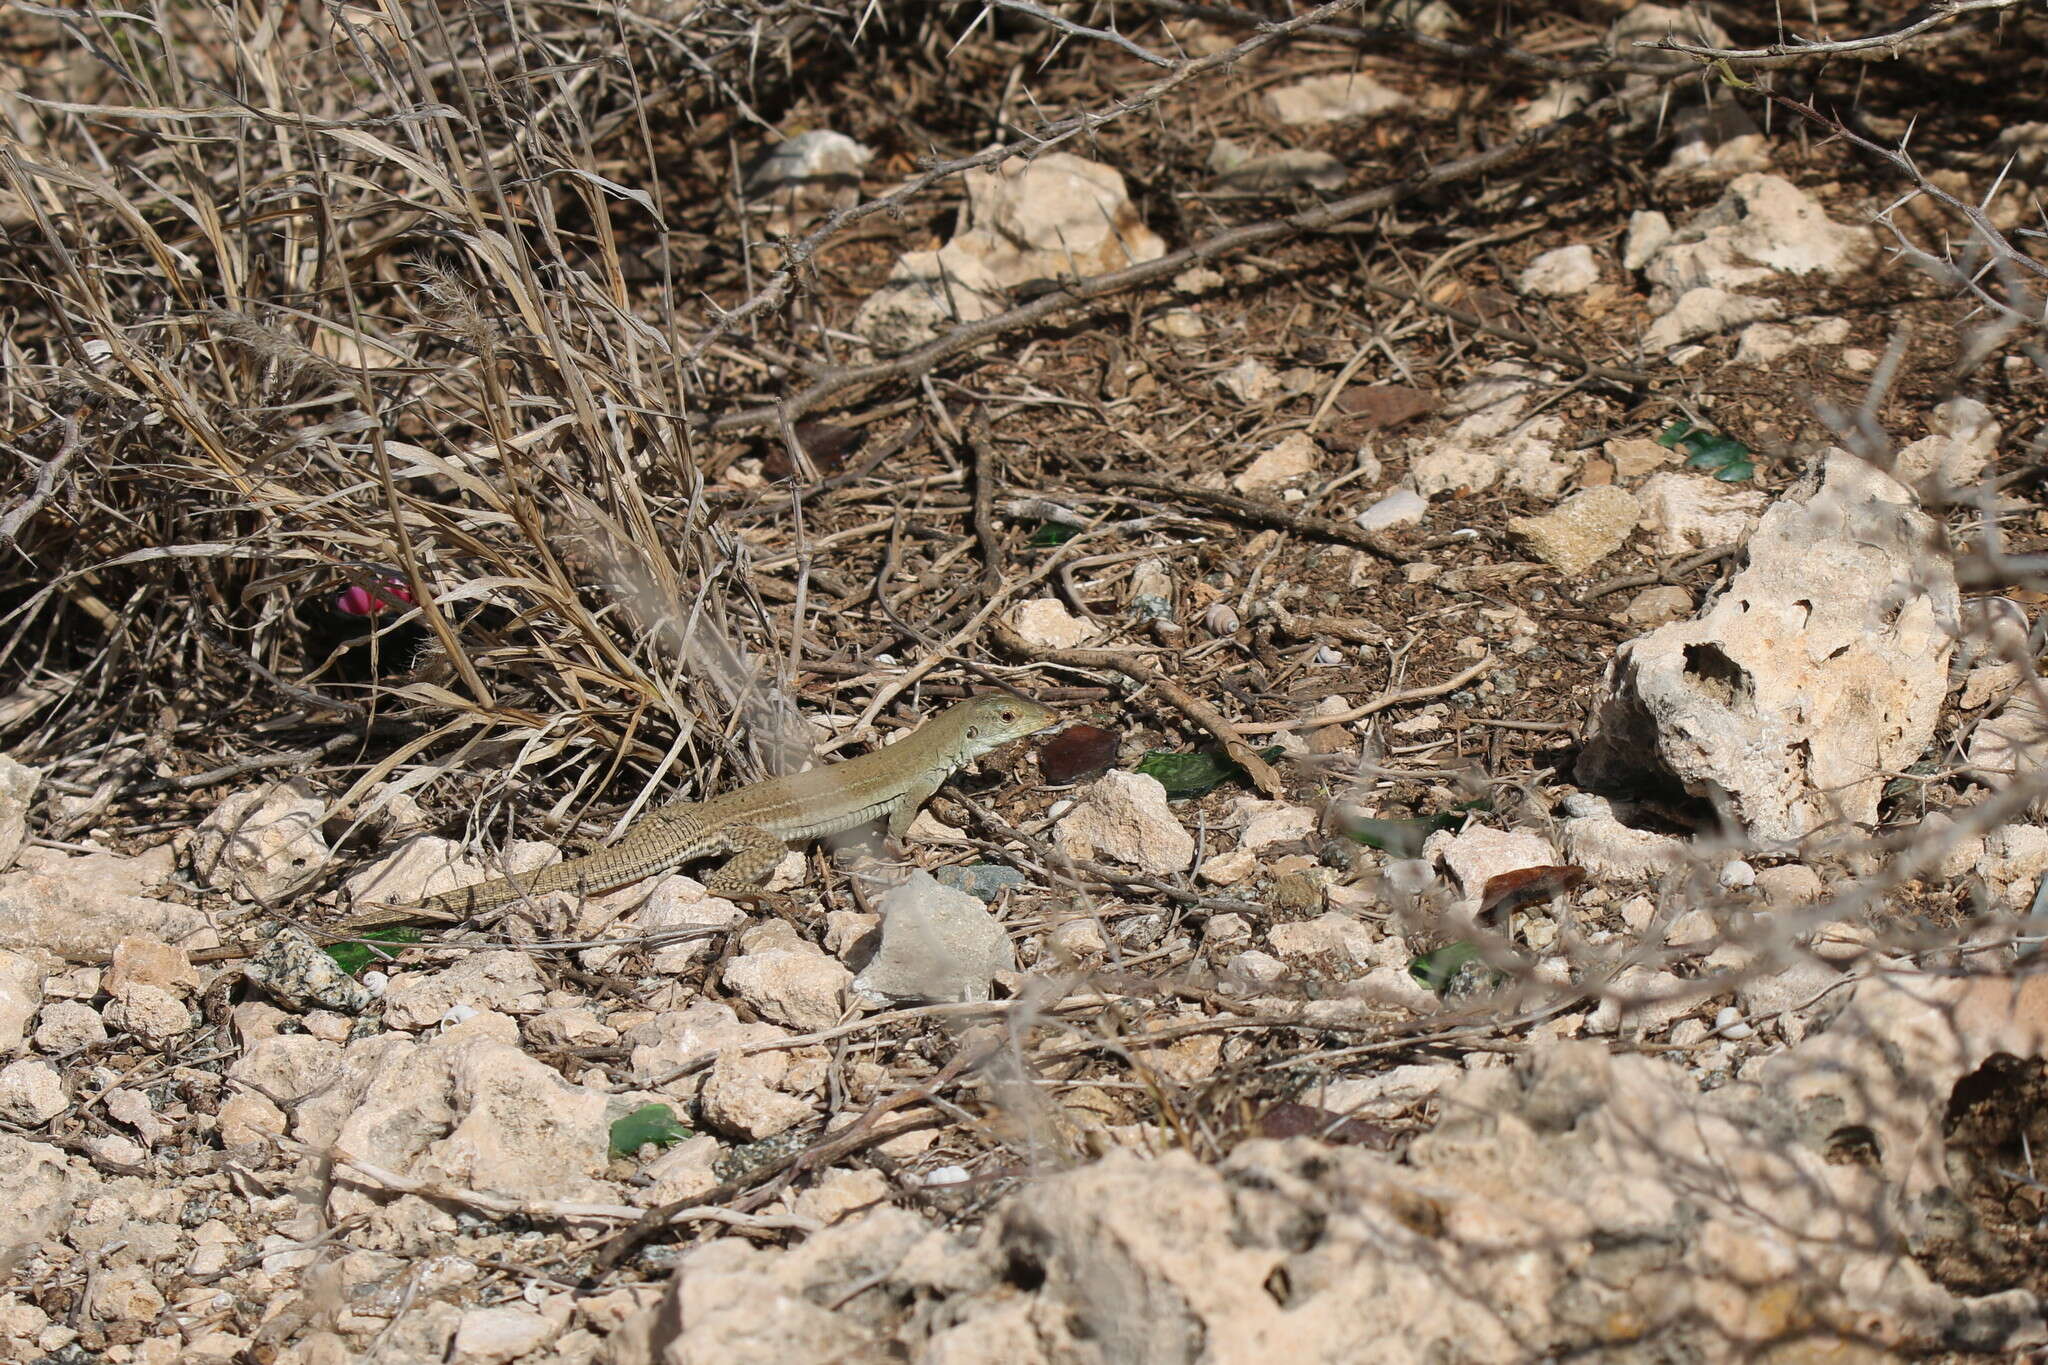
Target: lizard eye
1009,715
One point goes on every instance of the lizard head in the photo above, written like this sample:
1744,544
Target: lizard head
996,718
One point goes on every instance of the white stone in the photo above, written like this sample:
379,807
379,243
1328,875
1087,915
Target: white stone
1294,458
21,995
1124,816
1818,672
493,1336
938,944
1648,231
31,1093
1251,381
501,980
1326,99
1561,273
1762,226
1655,606
1705,312
18,783
1401,507
1582,530
1693,512
1045,623
797,985
1475,856
264,843
1963,440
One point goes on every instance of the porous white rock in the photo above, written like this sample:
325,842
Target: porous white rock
791,982
1124,816
1327,99
18,783
938,944
1762,226
1692,512
1582,530
1816,675
501,980
1561,273
1704,312
1046,623
1962,440
1475,856
1054,217
263,843
1293,459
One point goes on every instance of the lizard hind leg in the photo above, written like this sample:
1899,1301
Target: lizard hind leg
755,852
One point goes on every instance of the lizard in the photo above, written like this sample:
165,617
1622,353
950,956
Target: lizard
753,826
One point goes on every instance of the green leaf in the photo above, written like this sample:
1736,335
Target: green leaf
1185,775
1712,452
1435,969
1673,434
1053,533
1402,838
655,1123
1735,471
353,957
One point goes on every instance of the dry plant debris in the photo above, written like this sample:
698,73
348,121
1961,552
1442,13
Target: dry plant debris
1534,520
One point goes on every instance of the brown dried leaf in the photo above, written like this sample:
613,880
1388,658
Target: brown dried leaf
1076,752
826,444
1527,886
1377,407
1288,1119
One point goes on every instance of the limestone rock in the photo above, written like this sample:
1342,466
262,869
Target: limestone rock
1402,507
31,1092
1581,531
1819,671
1561,273
471,1110
40,1189
264,843
1124,816
80,908
501,980
1327,99
1474,856
1767,342
2012,745
1292,460
1705,312
21,995
1693,512
1655,606
1054,217
493,1336
1046,623
806,177
1963,439
1762,226
938,944
1611,851
18,783
790,982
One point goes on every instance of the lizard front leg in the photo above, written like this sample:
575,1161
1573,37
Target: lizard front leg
907,805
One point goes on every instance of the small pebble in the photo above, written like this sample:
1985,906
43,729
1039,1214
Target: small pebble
1728,1023
374,982
1737,874
943,1175
458,1014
